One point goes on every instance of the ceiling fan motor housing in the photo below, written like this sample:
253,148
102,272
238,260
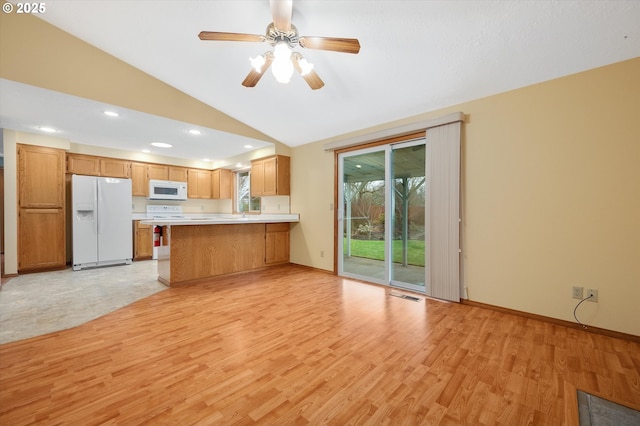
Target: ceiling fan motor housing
274,36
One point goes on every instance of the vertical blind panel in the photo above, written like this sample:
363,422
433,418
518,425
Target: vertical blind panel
443,142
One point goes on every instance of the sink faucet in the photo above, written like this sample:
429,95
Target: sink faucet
243,215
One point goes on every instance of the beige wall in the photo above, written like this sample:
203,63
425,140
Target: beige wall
550,174
550,196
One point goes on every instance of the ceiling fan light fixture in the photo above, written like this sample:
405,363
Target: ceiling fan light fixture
282,67
257,62
305,66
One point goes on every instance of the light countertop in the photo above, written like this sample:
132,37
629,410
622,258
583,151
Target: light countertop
219,219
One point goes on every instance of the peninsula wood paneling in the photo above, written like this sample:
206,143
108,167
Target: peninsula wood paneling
293,345
199,251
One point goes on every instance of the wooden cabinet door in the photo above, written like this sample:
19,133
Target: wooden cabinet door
40,177
83,165
158,171
139,181
178,174
276,243
215,184
204,184
199,183
283,175
270,176
257,178
221,180
226,184
41,239
111,167
143,241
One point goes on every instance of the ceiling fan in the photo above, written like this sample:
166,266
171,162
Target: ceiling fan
282,35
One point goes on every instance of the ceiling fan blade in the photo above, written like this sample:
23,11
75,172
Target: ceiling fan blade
219,36
345,45
311,77
281,10
254,76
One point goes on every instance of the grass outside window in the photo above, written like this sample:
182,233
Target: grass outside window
374,249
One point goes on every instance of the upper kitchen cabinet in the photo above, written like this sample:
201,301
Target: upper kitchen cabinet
157,171
41,175
222,181
83,165
141,173
110,167
178,174
199,183
90,165
139,180
271,176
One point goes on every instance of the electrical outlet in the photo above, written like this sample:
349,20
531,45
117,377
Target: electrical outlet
577,292
321,253
593,293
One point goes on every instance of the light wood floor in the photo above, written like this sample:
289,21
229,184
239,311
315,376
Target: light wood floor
290,345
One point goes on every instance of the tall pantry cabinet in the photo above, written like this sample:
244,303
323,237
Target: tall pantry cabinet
41,208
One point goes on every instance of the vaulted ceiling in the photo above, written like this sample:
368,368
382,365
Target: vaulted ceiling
415,57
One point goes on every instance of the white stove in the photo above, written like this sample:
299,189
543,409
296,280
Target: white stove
164,212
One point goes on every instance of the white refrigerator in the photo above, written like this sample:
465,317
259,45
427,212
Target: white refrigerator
102,221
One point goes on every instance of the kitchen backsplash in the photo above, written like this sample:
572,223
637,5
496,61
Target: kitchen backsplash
190,206
277,204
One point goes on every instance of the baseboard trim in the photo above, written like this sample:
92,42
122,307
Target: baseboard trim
569,324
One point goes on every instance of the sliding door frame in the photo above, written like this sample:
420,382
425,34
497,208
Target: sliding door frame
336,179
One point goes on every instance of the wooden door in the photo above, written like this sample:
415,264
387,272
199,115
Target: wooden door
158,171
257,178
276,243
226,184
143,241
41,177
270,173
83,165
178,174
111,167
204,184
221,180
41,239
139,180
199,183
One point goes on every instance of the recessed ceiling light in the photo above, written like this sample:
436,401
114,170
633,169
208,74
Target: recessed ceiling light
47,129
195,132
238,164
111,113
161,145
206,159
248,146
146,151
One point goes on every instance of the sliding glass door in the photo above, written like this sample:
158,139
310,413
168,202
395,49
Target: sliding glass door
408,218
364,200
382,217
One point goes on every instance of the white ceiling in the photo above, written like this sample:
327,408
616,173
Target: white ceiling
415,57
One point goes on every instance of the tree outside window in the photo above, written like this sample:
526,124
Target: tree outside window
245,202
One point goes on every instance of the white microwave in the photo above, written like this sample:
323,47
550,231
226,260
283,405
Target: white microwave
167,190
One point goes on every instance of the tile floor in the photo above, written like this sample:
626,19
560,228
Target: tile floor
41,303
595,411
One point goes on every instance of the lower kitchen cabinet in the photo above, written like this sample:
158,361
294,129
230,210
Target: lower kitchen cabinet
276,243
41,239
142,241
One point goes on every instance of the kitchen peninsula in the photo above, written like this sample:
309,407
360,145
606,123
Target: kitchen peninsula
194,249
